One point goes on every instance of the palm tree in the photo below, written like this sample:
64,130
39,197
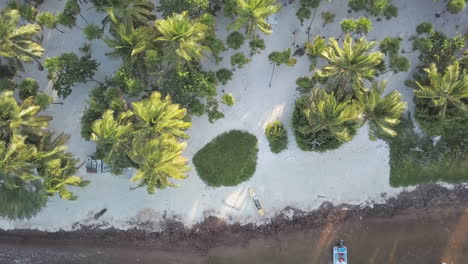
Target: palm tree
22,119
130,43
134,13
326,114
253,15
57,166
351,64
17,161
158,160
157,116
181,38
383,113
16,41
447,89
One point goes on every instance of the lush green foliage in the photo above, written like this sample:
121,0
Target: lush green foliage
182,38
146,138
350,65
23,202
47,19
256,45
277,136
26,147
224,75
133,13
424,28
92,31
456,6
235,40
302,14
228,99
16,40
68,69
252,14
195,8
239,60
28,87
228,159
390,46
414,159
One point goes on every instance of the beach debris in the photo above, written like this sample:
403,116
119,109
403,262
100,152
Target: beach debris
96,216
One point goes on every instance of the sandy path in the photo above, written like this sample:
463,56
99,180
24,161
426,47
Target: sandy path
356,173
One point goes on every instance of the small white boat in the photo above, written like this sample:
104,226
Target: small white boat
257,204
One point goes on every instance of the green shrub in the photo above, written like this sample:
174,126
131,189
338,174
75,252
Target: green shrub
357,5
195,8
92,31
235,40
28,87
228,99
302,14
47,19
239,60
399,63
228,159
224,75
327,18
415,160
7,84
211,110
391,11
216,47
43,100
277,136
390,46
424,28
256,45
378,7
456,6
304,84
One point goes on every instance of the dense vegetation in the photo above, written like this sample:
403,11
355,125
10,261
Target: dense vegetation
277,136
228,159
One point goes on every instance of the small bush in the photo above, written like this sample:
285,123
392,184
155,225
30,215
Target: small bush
47,19
424,28
327,18
224,75
304,84
391,11
390,45
239,60
228,99
277,136
28,87
456,6
399,63
7,84
216,46
228,159
256,45
211,110
43,100
235,40
92,31
357,5
302,14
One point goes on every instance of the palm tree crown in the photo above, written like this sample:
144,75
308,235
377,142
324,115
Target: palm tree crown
130,12
353,63
326,113
383,113
446,89
159,116
182,37
129,43
16,41
253,14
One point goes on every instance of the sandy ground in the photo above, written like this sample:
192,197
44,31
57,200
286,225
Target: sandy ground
356,173
411,229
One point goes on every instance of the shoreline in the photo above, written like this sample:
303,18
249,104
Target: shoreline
214,232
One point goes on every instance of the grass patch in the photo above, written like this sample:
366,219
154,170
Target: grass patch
228,159
415,160
277,136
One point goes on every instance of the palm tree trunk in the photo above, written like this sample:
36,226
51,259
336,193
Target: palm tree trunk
39,64
342,32
271,78
444,110
83,19
310,25
441,13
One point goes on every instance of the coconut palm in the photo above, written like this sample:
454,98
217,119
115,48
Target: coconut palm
326,113
16,41
253,15
444,90
131,12
383,113
17,161
22,119
157,116
130,43
158,160
57,166
351,64
181,38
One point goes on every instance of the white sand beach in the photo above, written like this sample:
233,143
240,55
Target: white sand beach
356,173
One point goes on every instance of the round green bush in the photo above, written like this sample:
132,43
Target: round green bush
228,159
235,40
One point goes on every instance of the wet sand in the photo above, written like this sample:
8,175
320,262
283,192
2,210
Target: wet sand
416,236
